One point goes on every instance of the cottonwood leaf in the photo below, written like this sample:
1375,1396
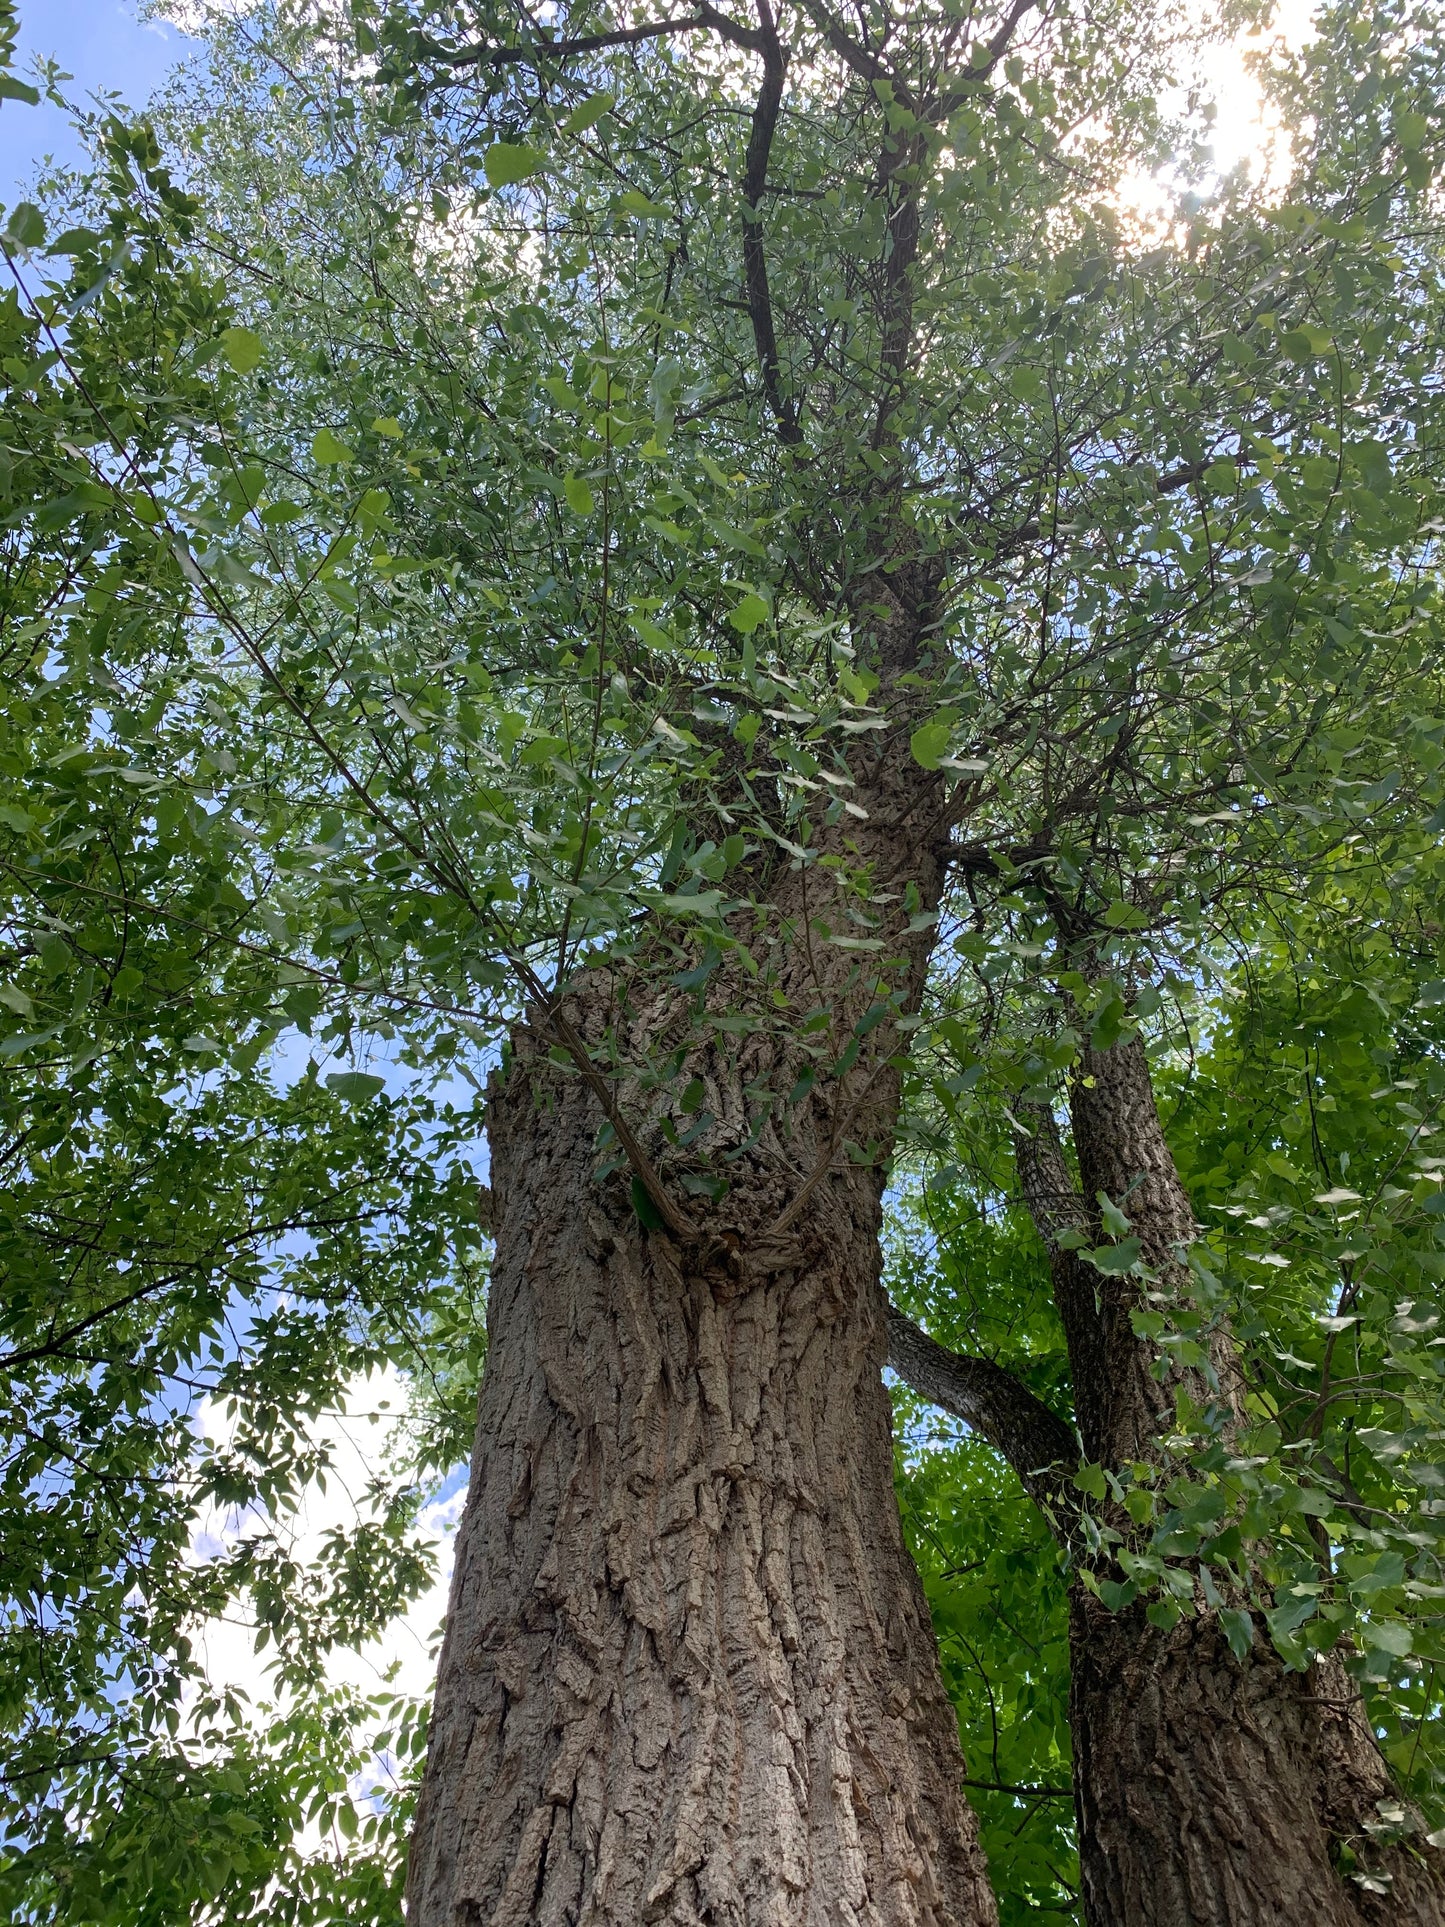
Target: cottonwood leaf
506,165
588,114
242,348
928,743
747,614
1115,1260
328,449
357,1087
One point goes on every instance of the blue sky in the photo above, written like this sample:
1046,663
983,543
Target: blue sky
103,46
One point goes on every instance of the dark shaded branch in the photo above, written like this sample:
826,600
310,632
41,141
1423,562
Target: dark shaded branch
1054,1204
901,159
1169,483
533,53
755,265
1037,1443
867,66
953,98
1021,1792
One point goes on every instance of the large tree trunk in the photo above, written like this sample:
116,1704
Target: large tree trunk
688,1673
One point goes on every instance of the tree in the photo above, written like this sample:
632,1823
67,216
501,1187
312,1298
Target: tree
182,1233
713,507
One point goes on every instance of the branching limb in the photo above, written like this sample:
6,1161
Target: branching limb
533,53
858,59
1037,1443
536,52
953,97
755,266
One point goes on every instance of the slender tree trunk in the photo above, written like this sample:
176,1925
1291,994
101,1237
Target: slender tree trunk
689,1674
1211,1791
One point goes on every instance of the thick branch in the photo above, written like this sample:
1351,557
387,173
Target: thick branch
858,59
901,158
1048,1187
1001,1409
533,53
953,98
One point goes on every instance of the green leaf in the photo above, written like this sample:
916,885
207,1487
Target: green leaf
1026,385
579,495
1307,342
357,1087
1291,1614
75,240
648,1214
1411,130
1238,1629
1112,1217
587,114
506,165
328,449
929,743
747,614
1115,1260
1090,1480
632,202
1391,1636
1124,916
13,89
26,226
242,349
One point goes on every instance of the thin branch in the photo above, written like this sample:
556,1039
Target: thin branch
1021,1792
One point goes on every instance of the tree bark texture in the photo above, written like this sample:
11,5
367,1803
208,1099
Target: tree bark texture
689,1674
1211,1791
1214,1792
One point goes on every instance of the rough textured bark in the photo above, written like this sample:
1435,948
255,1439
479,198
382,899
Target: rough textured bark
1218,1793
1122,1151
689,1673
1211,1792
1034,1439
